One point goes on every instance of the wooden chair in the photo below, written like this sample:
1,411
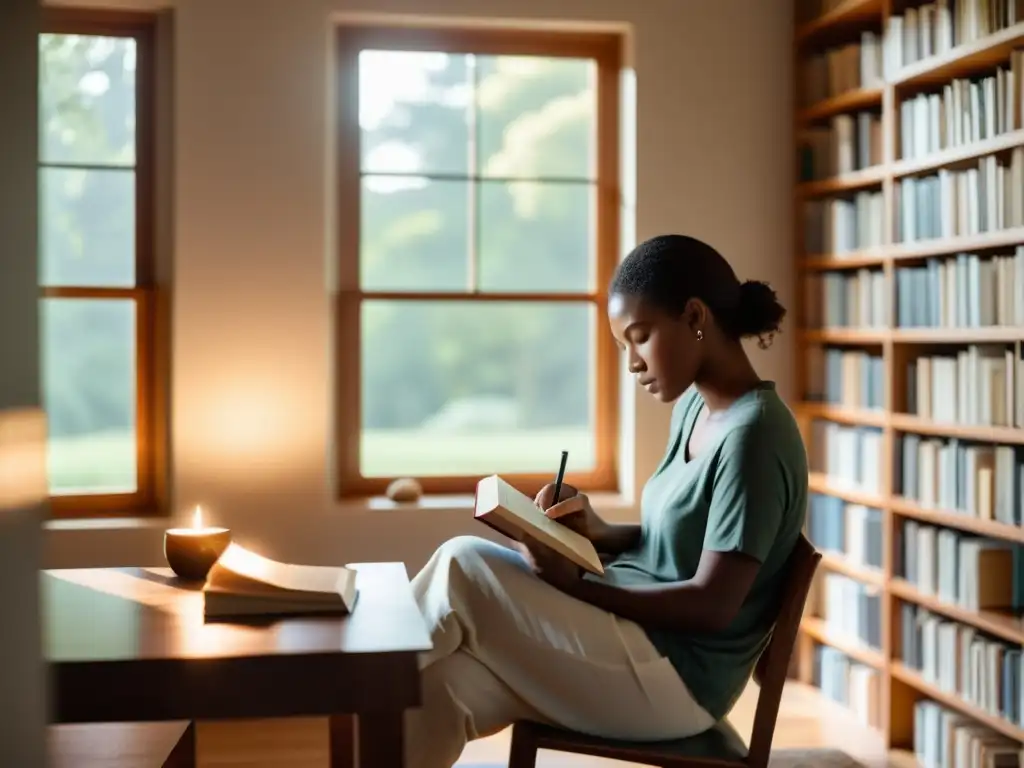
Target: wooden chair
721,746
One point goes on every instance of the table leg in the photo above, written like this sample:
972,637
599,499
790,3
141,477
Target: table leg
342,736
381,740
184,753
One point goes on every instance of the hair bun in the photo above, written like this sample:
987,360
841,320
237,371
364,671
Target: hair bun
759,312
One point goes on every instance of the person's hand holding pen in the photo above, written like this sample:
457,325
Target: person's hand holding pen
571,508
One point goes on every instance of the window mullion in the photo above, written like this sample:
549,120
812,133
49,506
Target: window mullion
473,193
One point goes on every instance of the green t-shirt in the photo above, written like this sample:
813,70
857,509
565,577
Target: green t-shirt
745,492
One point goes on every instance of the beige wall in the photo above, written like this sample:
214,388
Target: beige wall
252,373
22,673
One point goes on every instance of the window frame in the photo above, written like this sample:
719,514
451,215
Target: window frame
151,339
606,50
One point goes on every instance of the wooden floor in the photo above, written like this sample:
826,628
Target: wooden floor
806,720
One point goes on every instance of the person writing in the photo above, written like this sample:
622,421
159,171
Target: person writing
663,644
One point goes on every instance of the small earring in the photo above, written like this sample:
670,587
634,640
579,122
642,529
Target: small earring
700,335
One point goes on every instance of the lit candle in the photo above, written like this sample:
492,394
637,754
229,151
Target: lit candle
191,552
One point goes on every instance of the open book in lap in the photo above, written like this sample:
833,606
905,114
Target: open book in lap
243,583
514,514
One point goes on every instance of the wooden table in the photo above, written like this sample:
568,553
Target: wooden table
130,645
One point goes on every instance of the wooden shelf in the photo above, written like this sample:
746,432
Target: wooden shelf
868,177
857,260
958,520
818,483
962,61
900,686
849,12
950,245
1003,625
862,98
913,679
906,422
815,628
859,416
847,335
878,257
957,155
864,574
956,335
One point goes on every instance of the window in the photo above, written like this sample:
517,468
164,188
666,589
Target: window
97,262
478,205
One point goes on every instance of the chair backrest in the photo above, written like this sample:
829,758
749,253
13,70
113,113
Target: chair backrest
773,666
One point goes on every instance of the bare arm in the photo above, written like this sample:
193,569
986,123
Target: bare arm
616,538
706,603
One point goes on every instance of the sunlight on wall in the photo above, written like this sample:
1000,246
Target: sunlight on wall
247,418
22,458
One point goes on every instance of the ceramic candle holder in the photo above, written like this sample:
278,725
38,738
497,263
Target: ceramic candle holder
191,552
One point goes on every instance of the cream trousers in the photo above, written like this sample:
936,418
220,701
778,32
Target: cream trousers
508,646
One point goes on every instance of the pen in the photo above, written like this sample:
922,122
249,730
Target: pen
560,477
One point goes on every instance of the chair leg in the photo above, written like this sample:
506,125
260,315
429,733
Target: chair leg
523,752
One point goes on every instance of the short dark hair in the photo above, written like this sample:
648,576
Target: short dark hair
669,270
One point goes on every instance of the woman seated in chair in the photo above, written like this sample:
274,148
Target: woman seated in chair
663,644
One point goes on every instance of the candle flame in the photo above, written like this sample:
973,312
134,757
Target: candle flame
197,517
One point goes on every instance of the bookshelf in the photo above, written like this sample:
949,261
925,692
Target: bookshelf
909,219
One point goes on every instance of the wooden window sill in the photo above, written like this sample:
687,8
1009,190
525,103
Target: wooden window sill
613,506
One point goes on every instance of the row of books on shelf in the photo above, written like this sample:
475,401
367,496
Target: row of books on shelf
985,674
855,686
848,608
851,531
959,203
850,142
849,378
914,35
964,290
944,204
855,299
944,738
850,456
842,68
933,29
985,482
963,661
837,225
959,113
980,385
961,569
978,480
963,111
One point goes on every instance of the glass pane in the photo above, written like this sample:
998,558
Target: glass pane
87,99
414,234
536,236
468,388
537,117
89,394
87,227
414,112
